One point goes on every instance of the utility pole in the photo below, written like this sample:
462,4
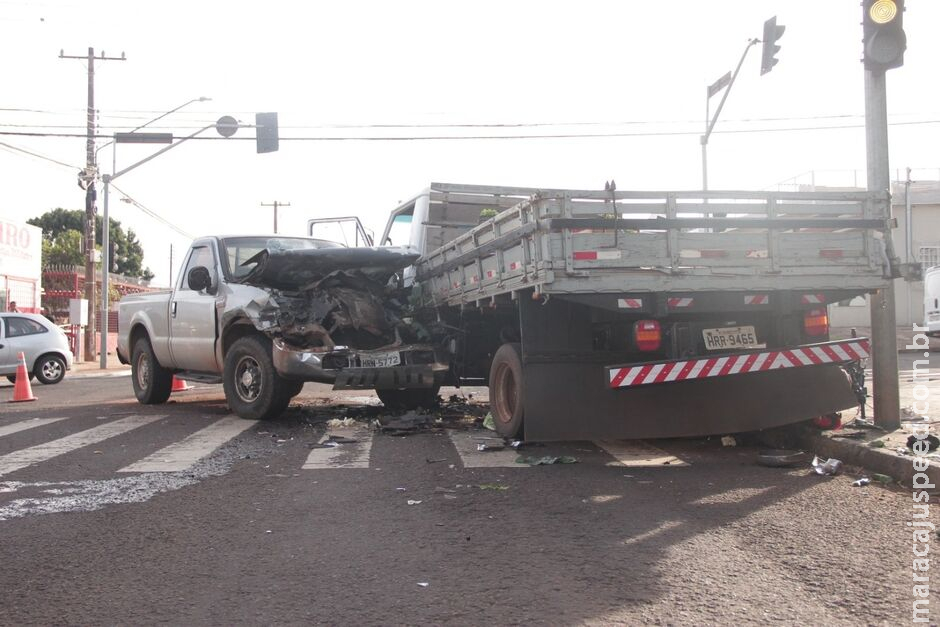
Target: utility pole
275,204
87,180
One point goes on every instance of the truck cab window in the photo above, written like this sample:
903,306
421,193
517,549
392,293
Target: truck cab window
400,231
200,256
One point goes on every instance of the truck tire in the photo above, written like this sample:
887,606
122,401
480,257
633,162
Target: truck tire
409,398
253,388
507,390
152,382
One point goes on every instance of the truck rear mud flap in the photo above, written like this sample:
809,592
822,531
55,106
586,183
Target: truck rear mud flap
689,398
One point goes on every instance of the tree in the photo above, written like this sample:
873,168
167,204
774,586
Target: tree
62,231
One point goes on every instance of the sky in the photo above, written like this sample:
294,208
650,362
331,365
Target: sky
338,72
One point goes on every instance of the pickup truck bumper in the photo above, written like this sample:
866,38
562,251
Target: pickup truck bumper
411,366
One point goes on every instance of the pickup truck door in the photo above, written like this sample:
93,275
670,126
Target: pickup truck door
193,326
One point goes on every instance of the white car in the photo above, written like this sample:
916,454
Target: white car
44,344
932,301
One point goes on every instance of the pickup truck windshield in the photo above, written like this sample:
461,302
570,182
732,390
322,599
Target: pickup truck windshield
236,251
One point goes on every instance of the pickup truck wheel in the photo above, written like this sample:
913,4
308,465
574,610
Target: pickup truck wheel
152,382
507,390
409,398
253,388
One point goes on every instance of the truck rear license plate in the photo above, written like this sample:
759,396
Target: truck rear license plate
380,360
730,338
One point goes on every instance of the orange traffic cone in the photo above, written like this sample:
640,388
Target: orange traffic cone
21,389
179,385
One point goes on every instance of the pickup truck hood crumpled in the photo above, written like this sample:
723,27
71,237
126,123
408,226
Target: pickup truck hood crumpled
301,269
331,296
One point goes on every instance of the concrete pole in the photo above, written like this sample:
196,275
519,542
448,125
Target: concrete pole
90,193
105,271
887,400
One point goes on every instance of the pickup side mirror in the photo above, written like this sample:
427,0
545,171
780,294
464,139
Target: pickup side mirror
199,279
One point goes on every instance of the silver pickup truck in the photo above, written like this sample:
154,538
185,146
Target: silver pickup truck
264,314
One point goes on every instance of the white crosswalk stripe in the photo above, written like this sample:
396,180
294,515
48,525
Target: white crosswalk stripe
352,450
338,448
48,450
23,425
183,454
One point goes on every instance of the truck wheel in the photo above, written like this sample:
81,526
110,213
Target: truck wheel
152,382
253,388
409,398
507,390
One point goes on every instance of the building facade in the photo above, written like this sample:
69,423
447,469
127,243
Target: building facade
20,265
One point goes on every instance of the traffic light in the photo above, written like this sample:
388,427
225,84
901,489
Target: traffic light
772,33
884,38
266,133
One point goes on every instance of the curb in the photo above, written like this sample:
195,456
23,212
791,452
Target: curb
858,453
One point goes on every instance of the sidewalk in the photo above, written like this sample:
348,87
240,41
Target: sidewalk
86,368
905,337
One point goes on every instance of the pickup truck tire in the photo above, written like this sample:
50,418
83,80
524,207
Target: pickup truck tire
507,390
253,388
152,382
409,398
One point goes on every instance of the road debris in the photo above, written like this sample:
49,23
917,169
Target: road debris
413,502
830,467
341,439
728,440
547,460
885,479
423,584
493,486
877,444
485,447
861,483
489,422
406,424
932,442
780,458
335,423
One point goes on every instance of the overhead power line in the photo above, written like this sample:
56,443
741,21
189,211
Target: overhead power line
153,214
501,137
39,156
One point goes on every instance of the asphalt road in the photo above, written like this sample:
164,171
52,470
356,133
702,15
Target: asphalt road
116,513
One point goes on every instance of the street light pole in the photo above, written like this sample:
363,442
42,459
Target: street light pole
710,123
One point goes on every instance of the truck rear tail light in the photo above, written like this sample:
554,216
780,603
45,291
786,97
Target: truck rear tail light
816,322
647,335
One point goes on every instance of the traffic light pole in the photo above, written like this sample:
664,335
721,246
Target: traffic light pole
887,402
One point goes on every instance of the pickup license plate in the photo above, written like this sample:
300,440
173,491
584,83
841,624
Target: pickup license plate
730,338
380,360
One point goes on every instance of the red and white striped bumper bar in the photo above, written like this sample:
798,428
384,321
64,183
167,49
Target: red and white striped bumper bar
842,351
